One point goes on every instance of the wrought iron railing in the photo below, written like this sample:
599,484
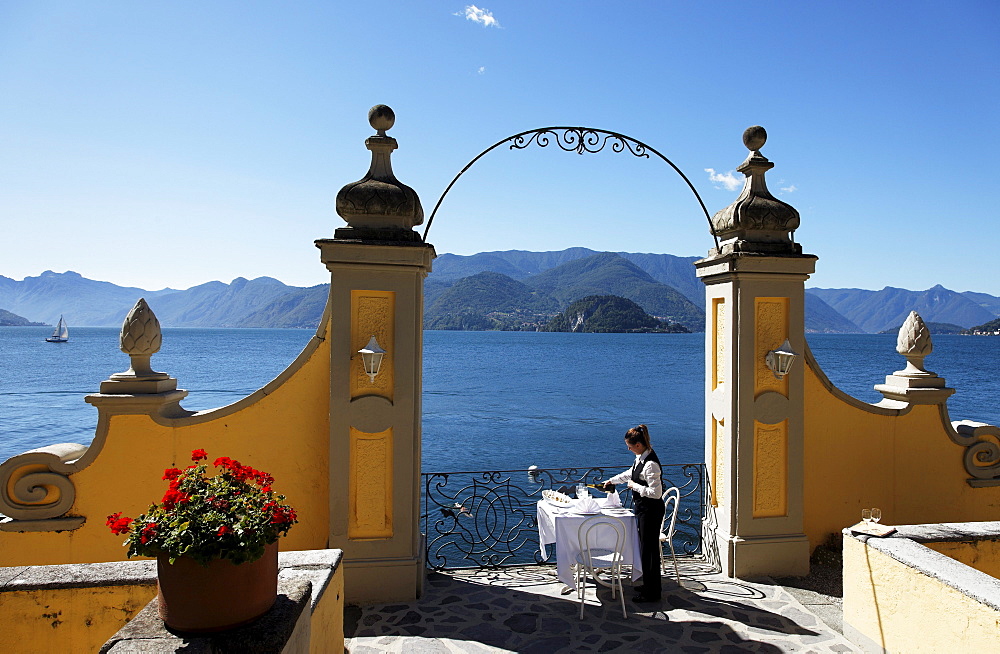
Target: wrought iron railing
487,519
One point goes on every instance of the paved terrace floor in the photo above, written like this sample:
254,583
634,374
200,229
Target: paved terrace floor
525,610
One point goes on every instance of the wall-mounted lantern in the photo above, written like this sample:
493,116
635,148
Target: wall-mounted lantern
780,360
371,356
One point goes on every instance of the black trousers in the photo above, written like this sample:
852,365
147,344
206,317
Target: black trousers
648,519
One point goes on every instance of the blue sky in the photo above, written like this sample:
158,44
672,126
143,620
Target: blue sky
169,144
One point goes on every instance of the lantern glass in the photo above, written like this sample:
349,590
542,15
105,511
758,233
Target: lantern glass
780,360
371,357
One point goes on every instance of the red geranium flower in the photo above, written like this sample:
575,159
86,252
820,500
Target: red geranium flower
187,520
118,524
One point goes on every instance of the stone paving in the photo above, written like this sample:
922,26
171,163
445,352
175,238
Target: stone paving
525,610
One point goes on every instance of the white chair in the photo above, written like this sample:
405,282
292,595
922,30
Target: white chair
602,547
671,496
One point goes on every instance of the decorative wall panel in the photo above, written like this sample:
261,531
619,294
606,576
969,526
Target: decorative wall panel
770,470
373,313
719,344
771,330
718,461
370,483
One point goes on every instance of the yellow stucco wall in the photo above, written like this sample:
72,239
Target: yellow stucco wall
326,627
903,462
903,610
69,619
282,429
983,555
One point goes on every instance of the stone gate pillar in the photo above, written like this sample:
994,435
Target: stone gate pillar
377,267
755,287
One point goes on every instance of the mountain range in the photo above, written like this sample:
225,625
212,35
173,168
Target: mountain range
513,289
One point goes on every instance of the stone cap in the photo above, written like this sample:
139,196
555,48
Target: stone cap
378,207
757,222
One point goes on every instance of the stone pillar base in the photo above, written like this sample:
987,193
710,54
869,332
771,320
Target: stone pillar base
376,581
765,556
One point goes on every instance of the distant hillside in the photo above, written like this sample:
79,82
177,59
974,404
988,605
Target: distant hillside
874,311
84,302
8,319
934,327
608,314
488,301
821,318
676,272
216,304
668,269
991,327
986,301
516,264
300,308
664,285
612,274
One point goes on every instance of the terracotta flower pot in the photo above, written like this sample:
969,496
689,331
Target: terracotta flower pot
196,599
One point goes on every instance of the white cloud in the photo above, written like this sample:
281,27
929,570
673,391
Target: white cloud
482,16
789,189
481,70
727,180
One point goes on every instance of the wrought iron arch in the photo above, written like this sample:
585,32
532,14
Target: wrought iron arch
579,140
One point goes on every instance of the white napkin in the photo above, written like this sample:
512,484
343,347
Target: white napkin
612,501
587,505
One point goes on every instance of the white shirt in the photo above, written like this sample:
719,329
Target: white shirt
650,473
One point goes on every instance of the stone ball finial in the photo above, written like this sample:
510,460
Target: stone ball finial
382,118
379,207
754,137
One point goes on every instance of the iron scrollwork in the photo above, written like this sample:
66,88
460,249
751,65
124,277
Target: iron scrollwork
580,140
487,519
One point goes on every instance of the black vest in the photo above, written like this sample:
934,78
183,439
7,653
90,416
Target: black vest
638,501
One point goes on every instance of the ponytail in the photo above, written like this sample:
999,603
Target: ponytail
639,434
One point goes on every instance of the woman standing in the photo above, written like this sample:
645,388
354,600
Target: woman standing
644,480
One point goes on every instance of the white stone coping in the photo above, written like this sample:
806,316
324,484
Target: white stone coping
906,545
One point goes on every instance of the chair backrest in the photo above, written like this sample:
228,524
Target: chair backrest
672,496
601,532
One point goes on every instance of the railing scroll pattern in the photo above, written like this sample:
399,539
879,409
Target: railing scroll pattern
487,519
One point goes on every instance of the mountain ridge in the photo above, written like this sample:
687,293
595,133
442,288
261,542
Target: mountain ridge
267,302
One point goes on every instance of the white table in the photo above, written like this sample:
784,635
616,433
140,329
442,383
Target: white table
560,526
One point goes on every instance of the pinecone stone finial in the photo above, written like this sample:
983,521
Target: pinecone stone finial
140,339
914,343
914,384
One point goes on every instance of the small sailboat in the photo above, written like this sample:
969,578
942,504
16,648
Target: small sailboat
60,334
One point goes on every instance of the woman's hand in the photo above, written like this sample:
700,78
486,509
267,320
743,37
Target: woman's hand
634,486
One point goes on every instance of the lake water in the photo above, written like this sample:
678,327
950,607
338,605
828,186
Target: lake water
492,400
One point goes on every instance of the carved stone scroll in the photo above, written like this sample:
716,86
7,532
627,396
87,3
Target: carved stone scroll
36,485
982,451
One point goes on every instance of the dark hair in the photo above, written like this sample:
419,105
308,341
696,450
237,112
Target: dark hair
638,434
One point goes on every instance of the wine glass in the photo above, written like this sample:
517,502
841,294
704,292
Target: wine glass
876,515
866,516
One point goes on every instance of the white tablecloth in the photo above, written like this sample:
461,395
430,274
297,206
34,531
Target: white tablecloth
560,526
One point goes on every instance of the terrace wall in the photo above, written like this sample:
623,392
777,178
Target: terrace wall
903,459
